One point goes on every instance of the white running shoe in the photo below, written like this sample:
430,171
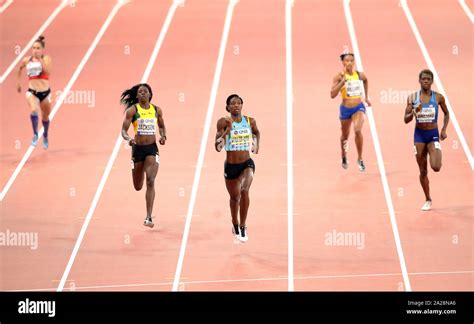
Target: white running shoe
148,222
426,205
244,236
236,235
361,165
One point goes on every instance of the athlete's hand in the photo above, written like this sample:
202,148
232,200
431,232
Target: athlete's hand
228,124
162,140
18,88
220,142
367,102
416,109
132,142
255,145
443,135
255,148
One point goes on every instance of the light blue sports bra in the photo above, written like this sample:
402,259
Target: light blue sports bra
240,136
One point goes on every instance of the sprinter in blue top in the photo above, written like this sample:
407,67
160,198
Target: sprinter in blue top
239,136
424,106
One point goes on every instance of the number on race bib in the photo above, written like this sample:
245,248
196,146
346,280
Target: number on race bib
353,88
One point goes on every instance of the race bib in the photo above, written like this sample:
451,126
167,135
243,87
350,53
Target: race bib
241,138
426,115
353,88
146,126
34,69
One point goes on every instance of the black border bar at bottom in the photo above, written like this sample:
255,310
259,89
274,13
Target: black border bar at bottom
37,307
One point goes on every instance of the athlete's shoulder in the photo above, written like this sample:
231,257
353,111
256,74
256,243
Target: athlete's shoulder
25,60
412,97
439,97
252,122
221,122
337,76
361,74
132,108
131,111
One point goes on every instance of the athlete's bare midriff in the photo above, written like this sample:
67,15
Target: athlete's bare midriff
351,103
39,85
236,157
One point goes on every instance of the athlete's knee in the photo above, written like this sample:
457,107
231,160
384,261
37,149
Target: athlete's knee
358,132
244,192
138,186
234,199
150,182
436,168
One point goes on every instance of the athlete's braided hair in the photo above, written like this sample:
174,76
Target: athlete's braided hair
129,96
229,98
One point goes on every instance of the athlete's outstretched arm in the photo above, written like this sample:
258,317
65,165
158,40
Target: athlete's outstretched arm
256,133
442,104
337,84
161,125
222,130
126,125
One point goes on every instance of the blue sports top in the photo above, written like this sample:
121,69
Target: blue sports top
429,111
240,136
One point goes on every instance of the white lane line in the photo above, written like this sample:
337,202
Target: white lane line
64,94
289,137
437,80
5,5
466,9
204,138
63,4
118,144
369,275
378,152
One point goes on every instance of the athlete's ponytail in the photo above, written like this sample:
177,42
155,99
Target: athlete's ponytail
129,96
41,41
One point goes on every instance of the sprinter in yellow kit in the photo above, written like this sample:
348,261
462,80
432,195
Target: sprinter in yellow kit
145,118
352,85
